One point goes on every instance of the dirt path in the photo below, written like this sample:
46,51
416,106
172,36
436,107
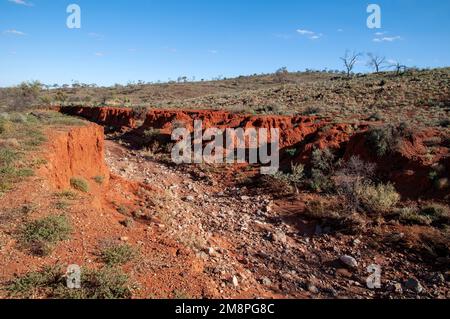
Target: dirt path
254,246
248,243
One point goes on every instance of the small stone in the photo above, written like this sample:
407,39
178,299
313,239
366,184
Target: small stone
266,281
414,285
189,198
395,287
356,242
211,252
313,289
349,261
124,238
245,198
436,278
235,282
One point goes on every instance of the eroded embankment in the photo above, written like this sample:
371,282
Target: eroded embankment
410,166
75,152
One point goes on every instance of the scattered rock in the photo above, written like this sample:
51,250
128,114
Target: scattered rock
266,281
349,261
235,282
124,238
414,285
436,278
313,289
189,199
395,287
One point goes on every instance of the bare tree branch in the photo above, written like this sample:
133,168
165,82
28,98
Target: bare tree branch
376,62
350,59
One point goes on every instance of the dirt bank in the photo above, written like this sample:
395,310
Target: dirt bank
409,167
75,152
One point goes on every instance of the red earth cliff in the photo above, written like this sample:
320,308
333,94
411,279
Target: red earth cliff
75,152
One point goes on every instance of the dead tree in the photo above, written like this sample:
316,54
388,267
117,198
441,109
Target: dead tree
376,62
350,59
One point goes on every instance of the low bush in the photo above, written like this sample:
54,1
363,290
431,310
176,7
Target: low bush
79,184
377,198
117,254
50,282
40,236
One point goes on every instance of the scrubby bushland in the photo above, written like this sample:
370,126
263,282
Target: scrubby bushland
386,139
50,282
41,235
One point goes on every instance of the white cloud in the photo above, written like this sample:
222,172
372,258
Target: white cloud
213,51
340,30
22,3
310,34
14,32
305,32
387,39
99,54
379,34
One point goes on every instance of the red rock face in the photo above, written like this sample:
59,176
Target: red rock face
292,129
409,167
78,152
107,116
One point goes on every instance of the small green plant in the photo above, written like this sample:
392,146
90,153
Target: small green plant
122,209
41,235
31,284
411,215
62,205
79,184
438,213
323,168
377,198
50,282
99,179
67,194
117,254
381,140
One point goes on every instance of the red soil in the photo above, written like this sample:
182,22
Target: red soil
107,116
79,152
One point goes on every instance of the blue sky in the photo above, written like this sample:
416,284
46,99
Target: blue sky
150,40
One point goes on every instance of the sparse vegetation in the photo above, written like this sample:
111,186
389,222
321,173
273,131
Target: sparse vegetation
106,283
99,179
117,253
377,198
41,235
80,184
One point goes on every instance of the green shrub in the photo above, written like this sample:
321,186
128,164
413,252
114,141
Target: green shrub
381,140
377,199
99,179
50,282
5,125
79,184
412,216
438,213
41,235
33,283
117,254
323,166
67,194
